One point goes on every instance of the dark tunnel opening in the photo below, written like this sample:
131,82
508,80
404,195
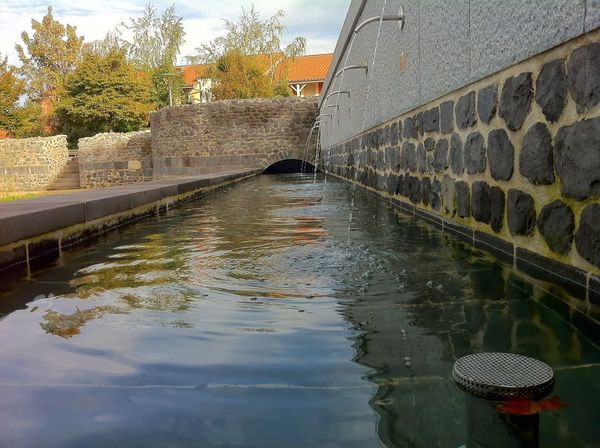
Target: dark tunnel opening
289,166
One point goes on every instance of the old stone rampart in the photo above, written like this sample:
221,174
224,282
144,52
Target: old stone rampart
32,163
115,159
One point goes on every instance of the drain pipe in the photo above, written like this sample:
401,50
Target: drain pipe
492,381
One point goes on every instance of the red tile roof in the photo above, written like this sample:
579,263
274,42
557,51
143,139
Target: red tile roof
312,67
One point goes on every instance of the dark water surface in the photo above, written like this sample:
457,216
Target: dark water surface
255,317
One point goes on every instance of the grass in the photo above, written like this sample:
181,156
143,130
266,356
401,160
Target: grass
15,196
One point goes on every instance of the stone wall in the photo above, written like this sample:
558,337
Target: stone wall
510,163
226,135
31,164
115,159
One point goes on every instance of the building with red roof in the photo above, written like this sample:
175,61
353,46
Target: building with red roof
305,76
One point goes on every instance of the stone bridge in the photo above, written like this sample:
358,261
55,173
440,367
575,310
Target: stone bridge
202,139
226,135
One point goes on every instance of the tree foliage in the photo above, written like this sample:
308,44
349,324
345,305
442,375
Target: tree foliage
239,76
251,36
247,39
11,89
105,93
48,56
154,48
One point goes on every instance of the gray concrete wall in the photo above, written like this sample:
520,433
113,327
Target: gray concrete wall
445,45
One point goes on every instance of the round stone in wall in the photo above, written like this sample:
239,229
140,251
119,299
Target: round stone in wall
463,199
587,238
425,190
435,195
551,89
449,195
497,200
521,213
475,153
440,156
465,111
501,155
447,117
583,68
577,159
515,101
414,189
457,160
536,160
480,202
556,223
421,159
487,101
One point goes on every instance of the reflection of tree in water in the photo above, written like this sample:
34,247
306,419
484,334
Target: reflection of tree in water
218,247
141,276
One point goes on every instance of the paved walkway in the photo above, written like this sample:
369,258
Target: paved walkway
29,218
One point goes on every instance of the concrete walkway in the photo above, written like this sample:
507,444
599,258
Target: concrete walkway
27,219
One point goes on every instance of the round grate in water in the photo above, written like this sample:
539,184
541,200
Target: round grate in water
503,376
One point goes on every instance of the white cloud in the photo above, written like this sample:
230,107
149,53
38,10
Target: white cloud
319,22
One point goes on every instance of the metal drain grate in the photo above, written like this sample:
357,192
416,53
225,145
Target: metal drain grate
503,376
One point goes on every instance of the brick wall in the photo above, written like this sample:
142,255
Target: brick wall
31,163
115,159
226,135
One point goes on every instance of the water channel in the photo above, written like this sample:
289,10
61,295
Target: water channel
256,317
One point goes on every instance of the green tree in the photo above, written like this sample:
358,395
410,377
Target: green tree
154,48
11,89
105,93
48,56
249,37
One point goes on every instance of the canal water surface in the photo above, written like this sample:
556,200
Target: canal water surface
261,316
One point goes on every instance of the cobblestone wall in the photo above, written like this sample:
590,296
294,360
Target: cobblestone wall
115,159
31,164
510,163
226,135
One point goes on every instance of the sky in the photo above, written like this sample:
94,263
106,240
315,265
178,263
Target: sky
318,21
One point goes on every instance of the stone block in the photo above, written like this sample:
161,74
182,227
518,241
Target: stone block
474,153
447,117
481,202
435,197
449,195
501,249
556,223
431,120
577,159
487,103
587,238
536,159
582,76
440,156
501,155
429,144
425,190
465,111
98,208
497,204
421,159
551,89
408,158
413,189
463,199
457,159
515,101
521,213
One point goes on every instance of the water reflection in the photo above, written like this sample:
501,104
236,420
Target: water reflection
255,317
